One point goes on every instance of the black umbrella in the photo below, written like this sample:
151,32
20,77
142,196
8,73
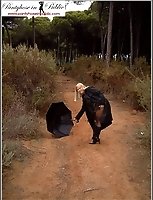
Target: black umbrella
59,119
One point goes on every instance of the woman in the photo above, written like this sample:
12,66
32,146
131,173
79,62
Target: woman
96,107
41,7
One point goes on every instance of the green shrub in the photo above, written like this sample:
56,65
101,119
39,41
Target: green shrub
27,69
42,98
13,150
8,93
133,85
18,122
144,134
7,156
143,90
141,68
28,90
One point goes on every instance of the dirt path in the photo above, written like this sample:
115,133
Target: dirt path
71,169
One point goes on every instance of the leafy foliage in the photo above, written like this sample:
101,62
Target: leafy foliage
127,84
86,30
28,90
25,70
6,156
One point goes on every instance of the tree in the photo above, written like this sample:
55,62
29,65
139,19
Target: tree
92,29
101,8
131,34
62,29
33,30
86,32
7,23
109,37
22,33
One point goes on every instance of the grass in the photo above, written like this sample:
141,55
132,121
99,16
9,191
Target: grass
28,90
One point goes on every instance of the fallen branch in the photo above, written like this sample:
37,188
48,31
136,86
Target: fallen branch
91,189
43,152
5,75
133,75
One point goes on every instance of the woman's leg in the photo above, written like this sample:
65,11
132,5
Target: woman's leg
98,115
105,125
96,132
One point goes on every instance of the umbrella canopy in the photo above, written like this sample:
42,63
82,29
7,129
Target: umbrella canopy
59,119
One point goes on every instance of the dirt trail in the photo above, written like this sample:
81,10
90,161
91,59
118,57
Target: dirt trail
71,169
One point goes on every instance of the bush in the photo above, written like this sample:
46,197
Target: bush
18,122
8,93
25,70
133,85
141,67
13,149
6,156
143,90
28,90
145,137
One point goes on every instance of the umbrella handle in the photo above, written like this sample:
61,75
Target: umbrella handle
75,120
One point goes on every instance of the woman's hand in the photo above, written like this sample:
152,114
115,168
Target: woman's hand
75,120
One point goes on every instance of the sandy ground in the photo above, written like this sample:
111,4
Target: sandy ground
70,168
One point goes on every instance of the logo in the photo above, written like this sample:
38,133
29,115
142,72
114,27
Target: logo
33,8
41,7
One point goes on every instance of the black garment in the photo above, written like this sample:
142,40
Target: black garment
87,107
97,130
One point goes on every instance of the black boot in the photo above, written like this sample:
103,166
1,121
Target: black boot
95,140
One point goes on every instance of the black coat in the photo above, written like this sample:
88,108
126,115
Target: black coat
86,107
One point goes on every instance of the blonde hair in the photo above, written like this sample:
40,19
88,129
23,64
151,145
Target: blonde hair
78,89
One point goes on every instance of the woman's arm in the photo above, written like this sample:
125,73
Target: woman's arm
80,113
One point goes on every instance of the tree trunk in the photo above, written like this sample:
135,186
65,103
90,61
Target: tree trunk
100,7
58,49
103,53
60,56
75,55
122,41
119,44
64,56
70,54
109,36
137,44
27,43
131,35
102,40
3,34
93,46
8,34
67,50
33,30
